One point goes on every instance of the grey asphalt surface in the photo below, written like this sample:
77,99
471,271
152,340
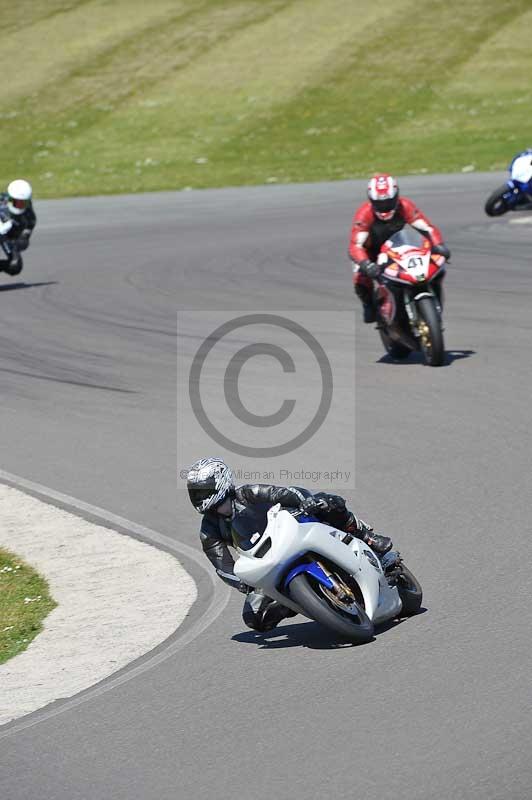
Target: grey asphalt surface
435,707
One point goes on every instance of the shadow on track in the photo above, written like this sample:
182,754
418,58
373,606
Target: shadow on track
308,634
417,358
302,634
9,287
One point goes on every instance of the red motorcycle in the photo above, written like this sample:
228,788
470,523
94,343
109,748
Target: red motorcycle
409,297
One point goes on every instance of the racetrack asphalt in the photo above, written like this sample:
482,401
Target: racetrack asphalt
437,706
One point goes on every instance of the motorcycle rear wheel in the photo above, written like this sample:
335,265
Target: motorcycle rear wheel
495,204
308,597
431,344
16,270
394,349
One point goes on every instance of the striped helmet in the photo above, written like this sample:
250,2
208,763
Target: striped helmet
209,483
383,193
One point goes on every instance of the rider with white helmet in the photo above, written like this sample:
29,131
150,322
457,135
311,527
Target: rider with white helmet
17,221
214,495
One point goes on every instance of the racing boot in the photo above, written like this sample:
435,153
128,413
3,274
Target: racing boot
380,544
274,614
262,614
361,530
365,296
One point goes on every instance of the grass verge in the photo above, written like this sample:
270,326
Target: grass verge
24,603
128,96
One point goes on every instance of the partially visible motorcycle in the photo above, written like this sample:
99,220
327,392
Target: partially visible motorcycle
409,297
516,193
325,574
6,248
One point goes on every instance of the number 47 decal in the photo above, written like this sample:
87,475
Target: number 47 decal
415,261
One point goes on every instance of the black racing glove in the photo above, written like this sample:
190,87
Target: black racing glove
312,504
370,269
441,250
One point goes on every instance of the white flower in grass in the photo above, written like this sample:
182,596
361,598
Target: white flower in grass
201,160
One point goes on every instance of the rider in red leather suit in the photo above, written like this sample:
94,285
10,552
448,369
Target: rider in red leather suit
382,215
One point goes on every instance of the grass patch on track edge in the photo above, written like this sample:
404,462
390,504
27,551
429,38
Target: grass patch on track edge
24,603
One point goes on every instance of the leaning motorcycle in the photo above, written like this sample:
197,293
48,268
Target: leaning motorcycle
327,575
6,249
516,193
409,297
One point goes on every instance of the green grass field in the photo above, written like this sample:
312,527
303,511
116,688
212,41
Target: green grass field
24,603
106,96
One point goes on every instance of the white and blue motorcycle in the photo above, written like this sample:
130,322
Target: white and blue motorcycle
516,193
327,575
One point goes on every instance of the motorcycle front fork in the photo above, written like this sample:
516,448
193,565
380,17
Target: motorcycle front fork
436,290
391,564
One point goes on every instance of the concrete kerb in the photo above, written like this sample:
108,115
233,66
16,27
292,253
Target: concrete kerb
213,597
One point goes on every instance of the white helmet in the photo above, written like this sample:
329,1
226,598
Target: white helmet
209,484
18,196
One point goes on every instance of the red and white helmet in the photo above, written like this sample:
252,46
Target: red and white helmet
383,193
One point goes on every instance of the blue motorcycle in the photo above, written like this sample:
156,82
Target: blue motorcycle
516,193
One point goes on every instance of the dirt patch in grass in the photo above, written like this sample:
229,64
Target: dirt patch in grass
24,603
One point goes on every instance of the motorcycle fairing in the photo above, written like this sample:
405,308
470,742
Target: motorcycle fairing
290,544
521,170
313,569
410,265
386,303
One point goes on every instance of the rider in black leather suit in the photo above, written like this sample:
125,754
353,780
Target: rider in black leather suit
209,482
17,221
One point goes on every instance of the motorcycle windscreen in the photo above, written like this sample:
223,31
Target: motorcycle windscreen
409,236
248,525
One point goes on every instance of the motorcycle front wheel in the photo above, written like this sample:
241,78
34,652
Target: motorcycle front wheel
431,338
496,204
410,592
354,625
